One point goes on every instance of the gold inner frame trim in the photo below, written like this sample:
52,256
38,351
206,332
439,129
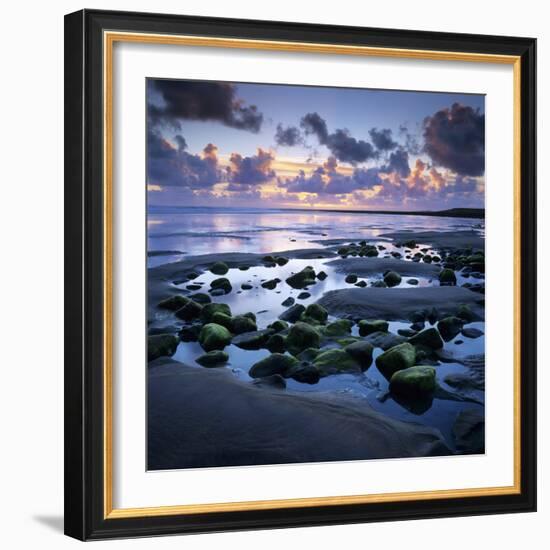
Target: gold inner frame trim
109,39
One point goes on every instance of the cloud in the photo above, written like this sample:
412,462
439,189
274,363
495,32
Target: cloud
251,170
288,137
169,165
398,162
455,138
382,139
313,123
171,101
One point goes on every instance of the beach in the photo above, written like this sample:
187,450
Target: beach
280,337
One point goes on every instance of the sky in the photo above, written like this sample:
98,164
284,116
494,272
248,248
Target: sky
280,146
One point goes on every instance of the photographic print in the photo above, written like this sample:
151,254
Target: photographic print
315,271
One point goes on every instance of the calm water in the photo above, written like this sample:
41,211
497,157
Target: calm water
176,233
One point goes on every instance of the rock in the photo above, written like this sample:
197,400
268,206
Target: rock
293,313
250,315
450,327
213,358
190,333
189,311
472,332
361,284
222,319
413,382
271,284
195,286
384,340
200,298
428,338
447,277
252,340
278,325
302,336
341,327
351,278
221,283
371,253
465,313
379,284
208,311
398,358
321,275
281,260
427,259
219,268
192,275
469,432
273,381
335,361
361,351
391,278
173,303
244,267
347,341
458,342
303,278
315,313
413,282
276,343
276,363
409,244
304,295
288,302
243,323
417,317
308,354
433,316
214,337
304,373
418,326
406,332
161,345
246,286
368,327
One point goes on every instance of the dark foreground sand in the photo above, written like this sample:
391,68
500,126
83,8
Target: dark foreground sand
397,304
440,239
365,267
206,417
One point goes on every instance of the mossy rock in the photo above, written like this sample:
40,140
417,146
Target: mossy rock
347,341
208,311
293,313
288,301
304,372
392,278
221,283
309,354
190,332
303,278
219,268
428,338
189,311
341,327
173,303
252,340
450,327
213,358
200,298
447,277
276,343
271,284
465,313
315,313
361,352
302,336
369,327
161,345
281,260
321,275
213,336
379,284
409,244
243,323
351,278
276,363
268,259
278,325
417,381
222,319
427,259
335,361
400,357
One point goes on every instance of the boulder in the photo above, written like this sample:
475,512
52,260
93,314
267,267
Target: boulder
276,343
293,313
222,319
309,354
213,358
252,340
428,338
276,363
335,361
190,332
173,303
450,327
213,336
398,358
242,323
281,260
314,313
304,295
392,278
361,352
302,336
472,332
221,283
303,278
379,284
418,381
447,277
246,286
384,340
341,327
189,311
208,311
200,298
351,278
271,284
321,275
288,301
305,373
219,268
465,313
369,327
161,345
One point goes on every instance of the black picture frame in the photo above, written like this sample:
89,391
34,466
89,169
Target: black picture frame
84,283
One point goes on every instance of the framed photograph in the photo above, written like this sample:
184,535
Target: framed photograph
300,274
